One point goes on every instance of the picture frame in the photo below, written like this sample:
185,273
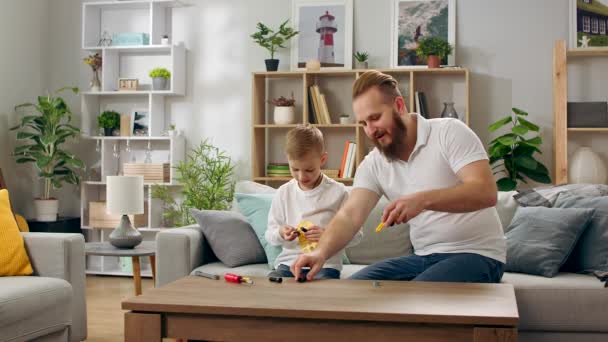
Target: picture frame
335,51
587,25
407,28
140,122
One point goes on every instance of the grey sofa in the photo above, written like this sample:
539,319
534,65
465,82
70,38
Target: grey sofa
50,305
568,307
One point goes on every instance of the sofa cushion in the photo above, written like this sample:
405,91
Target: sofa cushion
13,258
591,251
545,196
506,205
260,270
230,237
540,239
33,306
566,302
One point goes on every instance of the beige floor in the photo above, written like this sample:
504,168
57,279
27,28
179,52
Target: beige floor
105,318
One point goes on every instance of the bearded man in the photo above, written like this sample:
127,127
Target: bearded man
436,175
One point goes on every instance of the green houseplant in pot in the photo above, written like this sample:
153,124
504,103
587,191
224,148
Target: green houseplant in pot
109,120
160,78
42,136
434,50
512,154
207,183
361,58
272,40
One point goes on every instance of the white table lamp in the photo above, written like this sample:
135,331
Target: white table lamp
125,196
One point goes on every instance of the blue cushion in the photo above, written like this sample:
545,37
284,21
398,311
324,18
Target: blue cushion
256,207
591,251
540,239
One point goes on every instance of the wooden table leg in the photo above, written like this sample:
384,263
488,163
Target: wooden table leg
153,266
136,275
142,327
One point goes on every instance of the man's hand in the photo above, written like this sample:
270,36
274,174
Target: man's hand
288,233
314,233
404,209
315,260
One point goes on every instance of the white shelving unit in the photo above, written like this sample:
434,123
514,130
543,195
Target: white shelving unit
153,17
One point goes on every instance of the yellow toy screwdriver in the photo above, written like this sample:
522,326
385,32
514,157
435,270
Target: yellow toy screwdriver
380,227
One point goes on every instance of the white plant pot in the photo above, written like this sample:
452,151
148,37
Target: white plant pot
586,166
284,115
46,210
345,120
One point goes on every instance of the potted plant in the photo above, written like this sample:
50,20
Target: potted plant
512,153
284,110
361,58
271,40
45,135
434,50
109,120
160,76
94,61
207,181
345,119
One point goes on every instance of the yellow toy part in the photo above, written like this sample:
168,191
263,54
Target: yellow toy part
305,245
380,227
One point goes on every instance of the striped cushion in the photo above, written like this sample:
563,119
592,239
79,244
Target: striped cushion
13,259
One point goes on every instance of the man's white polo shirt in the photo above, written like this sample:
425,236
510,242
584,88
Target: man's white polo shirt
443,147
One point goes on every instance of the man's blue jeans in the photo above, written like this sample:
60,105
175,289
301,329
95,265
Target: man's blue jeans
324,273
447,267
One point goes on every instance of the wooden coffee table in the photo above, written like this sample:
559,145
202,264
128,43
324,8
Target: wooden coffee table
355,310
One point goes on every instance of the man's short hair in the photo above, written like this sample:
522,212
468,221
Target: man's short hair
302,140
387,85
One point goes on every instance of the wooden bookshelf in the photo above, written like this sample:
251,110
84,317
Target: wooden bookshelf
440,85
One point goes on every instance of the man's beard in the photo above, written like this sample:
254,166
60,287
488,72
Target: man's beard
395,149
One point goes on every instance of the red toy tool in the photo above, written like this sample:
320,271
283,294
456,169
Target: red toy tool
235,278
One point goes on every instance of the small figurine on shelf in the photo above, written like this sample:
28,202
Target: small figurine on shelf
584,41
105,40
164,40
94,61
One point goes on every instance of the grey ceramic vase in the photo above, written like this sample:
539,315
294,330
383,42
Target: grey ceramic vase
159,83
125,236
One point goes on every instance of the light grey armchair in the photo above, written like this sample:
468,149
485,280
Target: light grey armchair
50,305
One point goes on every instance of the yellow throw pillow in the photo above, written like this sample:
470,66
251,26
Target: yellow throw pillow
13,259
22,223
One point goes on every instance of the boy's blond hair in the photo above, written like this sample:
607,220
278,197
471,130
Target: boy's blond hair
387,85
302,140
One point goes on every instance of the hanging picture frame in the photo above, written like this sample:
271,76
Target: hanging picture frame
588,24
412,20
325,34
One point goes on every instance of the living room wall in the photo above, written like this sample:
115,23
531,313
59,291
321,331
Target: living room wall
507,45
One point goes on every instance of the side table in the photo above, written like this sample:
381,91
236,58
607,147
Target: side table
146,248
62,225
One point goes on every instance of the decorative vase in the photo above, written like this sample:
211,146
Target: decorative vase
125,236
108,132
272,64
284,115
433,61
586,166
95,83
360,65
449,111
46,210
159,83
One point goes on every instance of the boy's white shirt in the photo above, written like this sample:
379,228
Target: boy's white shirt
291,205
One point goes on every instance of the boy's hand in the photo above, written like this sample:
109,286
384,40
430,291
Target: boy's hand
288,233
314,233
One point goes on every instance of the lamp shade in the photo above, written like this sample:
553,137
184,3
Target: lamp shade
125,195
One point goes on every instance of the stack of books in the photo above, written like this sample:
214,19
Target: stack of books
349,157
421,104
331,173
278,170
318,113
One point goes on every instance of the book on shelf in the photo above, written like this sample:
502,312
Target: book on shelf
422,105
352,159
315,105
321,107
312,115
344,157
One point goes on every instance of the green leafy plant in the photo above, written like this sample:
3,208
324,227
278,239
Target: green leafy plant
512,153
43,136
361,56
109,119
271,40
283,101
207,181
433,46
160,72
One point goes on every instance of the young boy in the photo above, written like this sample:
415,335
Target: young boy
309,196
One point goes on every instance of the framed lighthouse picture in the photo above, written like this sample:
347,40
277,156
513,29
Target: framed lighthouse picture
413,20
326,34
